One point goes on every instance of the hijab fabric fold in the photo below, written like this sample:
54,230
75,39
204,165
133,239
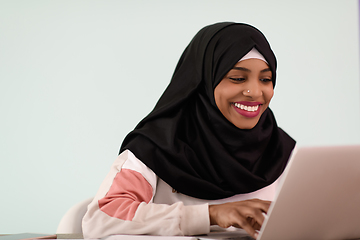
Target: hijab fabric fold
186,140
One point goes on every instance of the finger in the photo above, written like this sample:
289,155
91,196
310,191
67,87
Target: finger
255,225
248,228
258,217
264,205
252,215
260,204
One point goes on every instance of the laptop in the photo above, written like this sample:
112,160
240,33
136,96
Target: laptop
318,197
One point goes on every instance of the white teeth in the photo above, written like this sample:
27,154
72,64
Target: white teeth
247,108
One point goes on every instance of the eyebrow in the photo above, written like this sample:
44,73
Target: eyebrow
248,70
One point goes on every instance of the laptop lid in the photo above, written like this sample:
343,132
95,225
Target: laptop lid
319,196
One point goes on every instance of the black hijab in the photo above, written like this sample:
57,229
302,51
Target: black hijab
186,140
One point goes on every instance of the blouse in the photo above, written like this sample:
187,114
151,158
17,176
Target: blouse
133,200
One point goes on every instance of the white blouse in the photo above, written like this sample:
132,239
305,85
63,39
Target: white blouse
133,200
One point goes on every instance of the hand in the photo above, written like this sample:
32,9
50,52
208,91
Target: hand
247,215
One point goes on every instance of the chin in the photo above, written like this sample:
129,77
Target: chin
246,123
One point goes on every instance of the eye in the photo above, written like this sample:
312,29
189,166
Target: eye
265,80
237,79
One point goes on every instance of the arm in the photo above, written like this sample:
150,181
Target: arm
124,205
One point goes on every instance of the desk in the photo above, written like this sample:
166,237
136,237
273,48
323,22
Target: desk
40,236
70,236
137,237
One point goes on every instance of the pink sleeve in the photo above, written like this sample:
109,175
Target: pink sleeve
128,190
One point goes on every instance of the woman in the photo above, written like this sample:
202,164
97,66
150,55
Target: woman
210,152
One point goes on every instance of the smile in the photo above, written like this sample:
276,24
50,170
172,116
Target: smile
247,108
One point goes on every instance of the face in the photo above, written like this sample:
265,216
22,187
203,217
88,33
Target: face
245,92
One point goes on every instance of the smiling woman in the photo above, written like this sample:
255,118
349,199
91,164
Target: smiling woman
210,152
245,92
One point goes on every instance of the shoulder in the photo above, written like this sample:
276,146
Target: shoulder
127,160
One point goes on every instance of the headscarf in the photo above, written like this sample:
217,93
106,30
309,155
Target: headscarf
188,143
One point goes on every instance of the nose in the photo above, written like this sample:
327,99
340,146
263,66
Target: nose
252,89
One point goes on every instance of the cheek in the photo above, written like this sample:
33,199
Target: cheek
269,93
220,94
217,97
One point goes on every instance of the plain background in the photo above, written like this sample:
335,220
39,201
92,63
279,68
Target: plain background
77,75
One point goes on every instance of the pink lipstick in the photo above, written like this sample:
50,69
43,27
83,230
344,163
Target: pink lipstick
247,109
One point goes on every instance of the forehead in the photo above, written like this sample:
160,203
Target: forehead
252,64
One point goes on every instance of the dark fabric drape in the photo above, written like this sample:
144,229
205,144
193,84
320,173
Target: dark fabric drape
186,140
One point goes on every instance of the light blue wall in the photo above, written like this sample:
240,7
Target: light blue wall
77,75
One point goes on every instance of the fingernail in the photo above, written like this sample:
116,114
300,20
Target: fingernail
256,235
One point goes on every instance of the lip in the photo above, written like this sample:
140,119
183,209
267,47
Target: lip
247,103
247,113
